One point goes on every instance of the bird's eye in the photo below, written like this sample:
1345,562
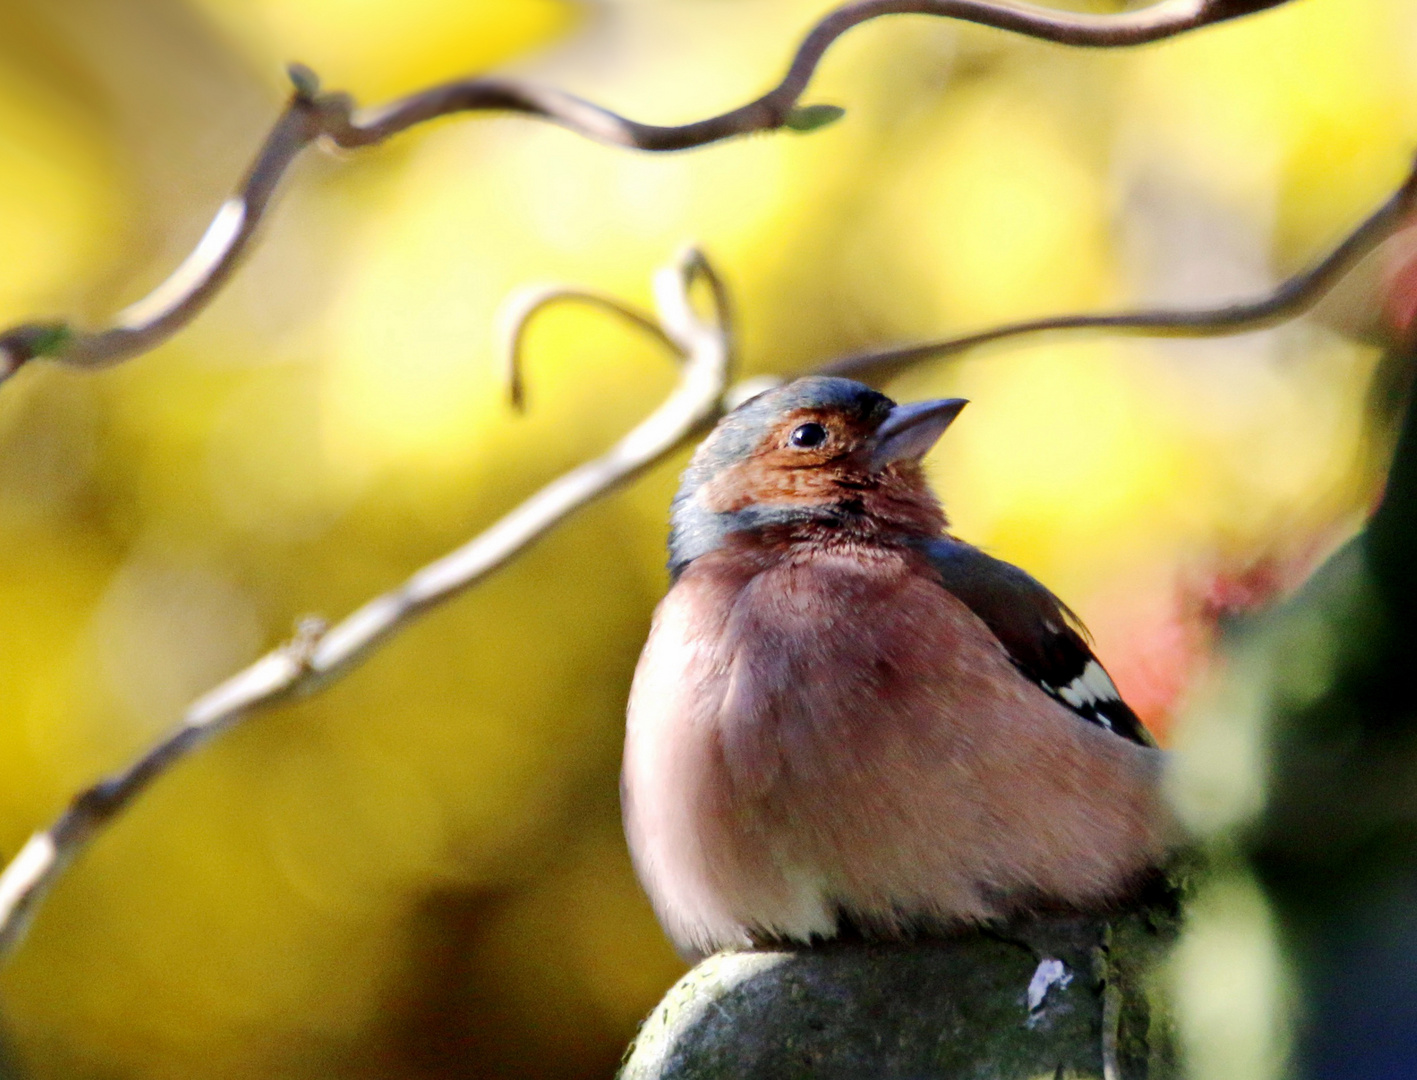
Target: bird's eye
808,435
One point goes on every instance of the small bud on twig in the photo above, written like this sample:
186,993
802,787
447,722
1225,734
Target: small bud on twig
805,118
305,81
25,342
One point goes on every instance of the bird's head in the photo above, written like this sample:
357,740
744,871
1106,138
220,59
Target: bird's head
812,458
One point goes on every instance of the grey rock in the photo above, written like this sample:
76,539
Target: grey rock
1047,997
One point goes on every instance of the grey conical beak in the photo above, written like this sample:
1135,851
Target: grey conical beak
909,431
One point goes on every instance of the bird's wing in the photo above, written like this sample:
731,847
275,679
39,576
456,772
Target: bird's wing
1042,636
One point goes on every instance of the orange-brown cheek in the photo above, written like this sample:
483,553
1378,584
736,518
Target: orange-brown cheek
759,480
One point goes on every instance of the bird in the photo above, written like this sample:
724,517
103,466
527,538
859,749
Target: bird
847,720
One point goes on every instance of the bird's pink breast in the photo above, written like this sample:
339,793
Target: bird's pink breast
830,729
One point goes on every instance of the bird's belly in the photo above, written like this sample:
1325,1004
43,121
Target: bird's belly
840,738
770,736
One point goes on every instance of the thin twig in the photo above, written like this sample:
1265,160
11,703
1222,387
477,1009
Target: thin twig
1289,300
319,655
311,116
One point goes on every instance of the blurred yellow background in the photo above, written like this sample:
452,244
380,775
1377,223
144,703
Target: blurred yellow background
419,873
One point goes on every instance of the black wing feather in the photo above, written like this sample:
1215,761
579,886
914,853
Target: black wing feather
1042,636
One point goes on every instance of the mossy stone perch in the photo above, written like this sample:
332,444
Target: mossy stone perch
1044,997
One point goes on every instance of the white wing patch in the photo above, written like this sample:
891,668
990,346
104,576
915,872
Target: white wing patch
1093,687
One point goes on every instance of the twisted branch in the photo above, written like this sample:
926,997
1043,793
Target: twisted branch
311,115
1289,300
319,654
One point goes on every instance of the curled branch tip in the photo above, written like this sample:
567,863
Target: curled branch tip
674,301
522,307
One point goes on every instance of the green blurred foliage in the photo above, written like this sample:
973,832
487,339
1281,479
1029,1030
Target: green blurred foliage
419,872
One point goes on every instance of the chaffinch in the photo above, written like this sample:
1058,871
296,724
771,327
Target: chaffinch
844,716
